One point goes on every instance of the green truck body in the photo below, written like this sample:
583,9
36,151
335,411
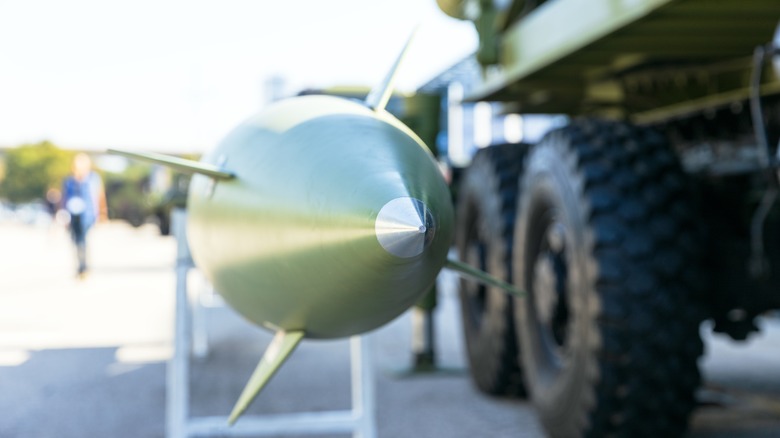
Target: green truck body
654,209
596,56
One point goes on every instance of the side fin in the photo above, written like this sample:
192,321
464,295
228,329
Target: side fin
467,270
275,355
180,164
379,96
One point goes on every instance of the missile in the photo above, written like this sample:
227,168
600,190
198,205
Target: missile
336,220
319,217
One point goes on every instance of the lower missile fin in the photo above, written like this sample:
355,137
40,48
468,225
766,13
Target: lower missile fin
275,355
180,164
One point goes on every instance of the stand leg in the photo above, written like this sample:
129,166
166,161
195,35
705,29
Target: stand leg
363,387
177,378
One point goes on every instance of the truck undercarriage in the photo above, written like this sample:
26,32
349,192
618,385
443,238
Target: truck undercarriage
654,209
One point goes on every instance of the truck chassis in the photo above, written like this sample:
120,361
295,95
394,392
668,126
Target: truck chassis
654,209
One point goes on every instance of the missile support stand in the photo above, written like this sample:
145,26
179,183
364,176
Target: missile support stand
360,420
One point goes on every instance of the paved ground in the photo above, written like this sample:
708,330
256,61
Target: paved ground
86,358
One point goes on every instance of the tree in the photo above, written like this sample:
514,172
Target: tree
32,169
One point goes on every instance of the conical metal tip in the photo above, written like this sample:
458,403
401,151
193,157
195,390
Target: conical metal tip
405,227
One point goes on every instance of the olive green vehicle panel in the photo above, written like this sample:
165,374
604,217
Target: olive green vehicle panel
562,56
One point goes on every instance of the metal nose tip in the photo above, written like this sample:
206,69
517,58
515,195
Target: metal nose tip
404,227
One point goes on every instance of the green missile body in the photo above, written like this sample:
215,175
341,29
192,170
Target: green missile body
319,217
336,222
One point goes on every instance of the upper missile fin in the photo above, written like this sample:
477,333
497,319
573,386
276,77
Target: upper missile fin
275,355
379,96
180,164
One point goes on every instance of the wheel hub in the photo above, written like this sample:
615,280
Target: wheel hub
476,255
550,292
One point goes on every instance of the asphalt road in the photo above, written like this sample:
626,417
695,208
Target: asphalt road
87,358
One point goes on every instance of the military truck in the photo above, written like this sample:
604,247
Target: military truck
652,210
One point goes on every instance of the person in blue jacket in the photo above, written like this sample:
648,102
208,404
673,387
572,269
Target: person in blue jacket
83,197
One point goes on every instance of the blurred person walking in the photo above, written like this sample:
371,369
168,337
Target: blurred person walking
84,198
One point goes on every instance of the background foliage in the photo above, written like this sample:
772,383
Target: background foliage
31,169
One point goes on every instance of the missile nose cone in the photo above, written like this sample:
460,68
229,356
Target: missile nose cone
405,227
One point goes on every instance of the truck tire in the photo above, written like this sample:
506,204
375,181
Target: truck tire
605,246
484,227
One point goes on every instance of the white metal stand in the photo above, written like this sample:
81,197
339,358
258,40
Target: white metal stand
360,420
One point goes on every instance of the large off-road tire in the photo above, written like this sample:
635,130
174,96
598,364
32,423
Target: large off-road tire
605,245
484,228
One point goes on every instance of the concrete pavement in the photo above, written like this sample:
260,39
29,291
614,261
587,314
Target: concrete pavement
86,358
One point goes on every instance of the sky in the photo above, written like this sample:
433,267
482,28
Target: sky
176,76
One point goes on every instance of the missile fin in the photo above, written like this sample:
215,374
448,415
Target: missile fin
379,96
467,270
176,163
275,355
